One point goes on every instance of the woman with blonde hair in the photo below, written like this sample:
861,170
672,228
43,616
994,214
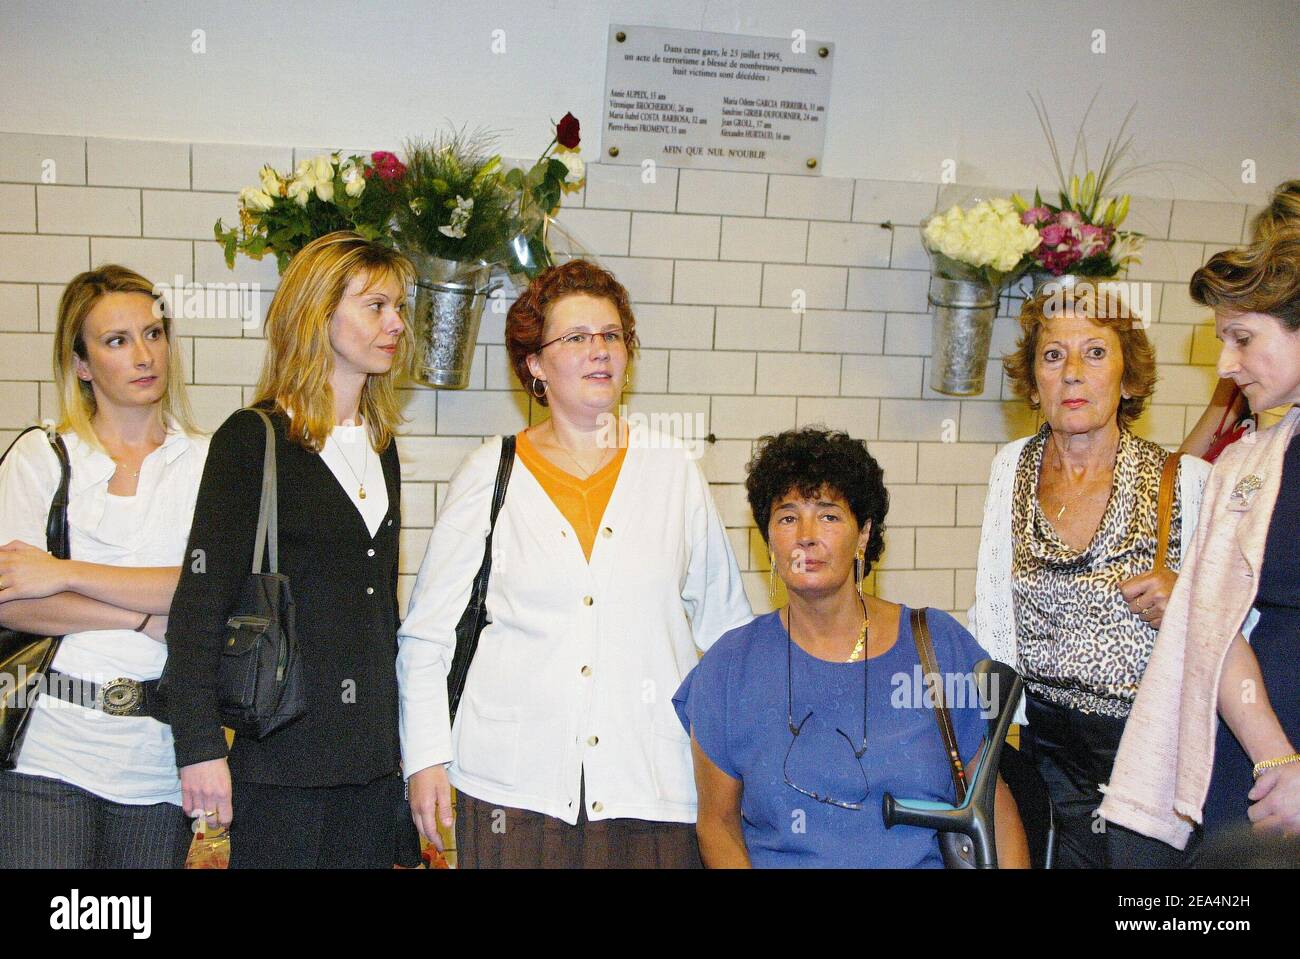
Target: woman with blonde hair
324,790
1227,649
95,785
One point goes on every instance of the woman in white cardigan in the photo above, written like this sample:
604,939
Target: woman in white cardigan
1065,587
611,571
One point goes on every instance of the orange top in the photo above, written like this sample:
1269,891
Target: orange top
581,501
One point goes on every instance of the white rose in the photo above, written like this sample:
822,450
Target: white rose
251,198
577,170
323,167
325,190
301,188
270,181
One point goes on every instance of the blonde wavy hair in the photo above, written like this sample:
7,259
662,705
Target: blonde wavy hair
1263,277
299,359
1283,208
77,404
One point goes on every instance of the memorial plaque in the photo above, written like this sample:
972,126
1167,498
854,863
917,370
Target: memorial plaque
716,101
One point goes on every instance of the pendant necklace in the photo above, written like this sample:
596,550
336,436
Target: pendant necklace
361,480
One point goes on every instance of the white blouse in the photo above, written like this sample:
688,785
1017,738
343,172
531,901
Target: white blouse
354,463
126,759
575,673
992,619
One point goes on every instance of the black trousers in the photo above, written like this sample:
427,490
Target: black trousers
1074,752
324,827
51,824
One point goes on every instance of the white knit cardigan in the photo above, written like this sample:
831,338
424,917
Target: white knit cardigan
991,619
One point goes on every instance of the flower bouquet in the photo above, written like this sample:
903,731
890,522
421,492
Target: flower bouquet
538,192
457,207
974,254
285,212
1080,234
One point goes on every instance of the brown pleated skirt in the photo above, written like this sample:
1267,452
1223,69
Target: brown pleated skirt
490,836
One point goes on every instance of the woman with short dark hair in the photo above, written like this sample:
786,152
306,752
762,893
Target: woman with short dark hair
801,720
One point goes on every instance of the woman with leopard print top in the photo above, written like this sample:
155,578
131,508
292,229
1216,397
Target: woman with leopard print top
1066,590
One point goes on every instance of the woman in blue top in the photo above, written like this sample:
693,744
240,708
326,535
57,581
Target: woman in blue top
803,719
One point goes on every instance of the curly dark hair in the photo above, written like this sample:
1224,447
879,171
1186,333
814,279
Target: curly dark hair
811,460
527,316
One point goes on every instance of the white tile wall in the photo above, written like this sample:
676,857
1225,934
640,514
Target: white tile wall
711,261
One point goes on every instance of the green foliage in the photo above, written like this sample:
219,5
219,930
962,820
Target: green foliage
454,166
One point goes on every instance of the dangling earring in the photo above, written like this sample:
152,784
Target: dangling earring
627,379
859,569
534,388
771,576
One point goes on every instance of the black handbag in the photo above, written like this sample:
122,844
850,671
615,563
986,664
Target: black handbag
25,658
474,618
260,683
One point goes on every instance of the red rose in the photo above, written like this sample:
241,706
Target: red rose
387,166
566,132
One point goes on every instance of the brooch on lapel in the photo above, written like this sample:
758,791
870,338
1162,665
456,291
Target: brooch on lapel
1245,491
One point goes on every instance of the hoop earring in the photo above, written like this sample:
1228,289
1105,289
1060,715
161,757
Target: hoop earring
771,576
533,389
859,569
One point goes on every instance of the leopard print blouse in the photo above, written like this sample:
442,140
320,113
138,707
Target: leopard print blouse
1078,644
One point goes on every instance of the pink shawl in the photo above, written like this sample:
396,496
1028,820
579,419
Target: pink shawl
1162,770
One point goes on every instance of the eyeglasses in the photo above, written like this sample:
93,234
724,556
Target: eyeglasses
796,730
579,339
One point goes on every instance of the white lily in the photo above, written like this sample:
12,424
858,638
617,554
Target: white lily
459,219
354,181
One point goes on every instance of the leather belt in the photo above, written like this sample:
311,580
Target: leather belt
117,697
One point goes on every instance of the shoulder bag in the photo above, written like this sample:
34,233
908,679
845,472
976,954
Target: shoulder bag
260,685
474,618
25,658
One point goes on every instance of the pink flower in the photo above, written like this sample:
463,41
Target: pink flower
1058,261
1093,239
1069,219
1054,234
1035,215
386,166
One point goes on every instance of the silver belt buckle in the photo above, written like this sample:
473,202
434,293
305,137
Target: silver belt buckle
121,697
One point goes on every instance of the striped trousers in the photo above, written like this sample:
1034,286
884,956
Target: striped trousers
51,824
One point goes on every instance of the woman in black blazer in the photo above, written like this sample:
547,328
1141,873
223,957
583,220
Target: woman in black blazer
325,790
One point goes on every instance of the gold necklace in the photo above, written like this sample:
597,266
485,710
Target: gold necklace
361,480
860,647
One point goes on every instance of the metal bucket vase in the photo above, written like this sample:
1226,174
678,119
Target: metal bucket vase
448,303
963,326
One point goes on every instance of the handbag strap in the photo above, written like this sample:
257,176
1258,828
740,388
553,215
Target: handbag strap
56,523
933,679
498,498
1165,510
268,533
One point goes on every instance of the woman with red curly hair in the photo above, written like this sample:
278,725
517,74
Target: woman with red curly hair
611,571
